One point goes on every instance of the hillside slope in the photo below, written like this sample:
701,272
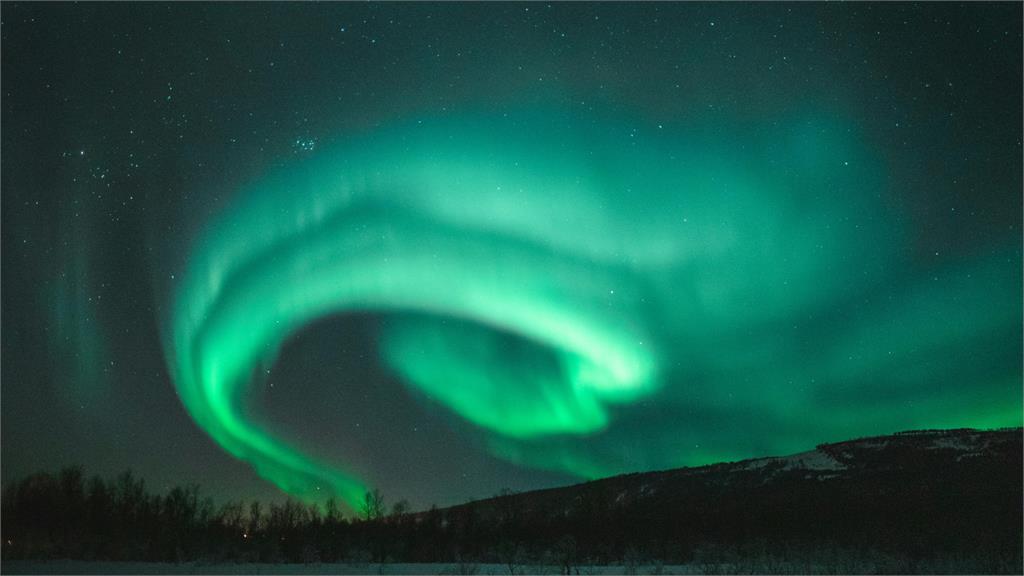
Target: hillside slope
916,494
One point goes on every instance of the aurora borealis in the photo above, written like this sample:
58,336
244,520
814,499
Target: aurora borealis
509,246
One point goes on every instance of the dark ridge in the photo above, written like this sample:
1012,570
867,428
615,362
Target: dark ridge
928,501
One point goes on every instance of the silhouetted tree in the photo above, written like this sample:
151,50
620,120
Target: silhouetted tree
372,507
400,509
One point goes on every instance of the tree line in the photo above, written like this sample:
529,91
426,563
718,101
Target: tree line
908,510
66,515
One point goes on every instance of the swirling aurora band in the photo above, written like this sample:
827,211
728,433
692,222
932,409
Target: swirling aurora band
543,268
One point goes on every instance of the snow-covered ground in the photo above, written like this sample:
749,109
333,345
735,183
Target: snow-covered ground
825,562
82,567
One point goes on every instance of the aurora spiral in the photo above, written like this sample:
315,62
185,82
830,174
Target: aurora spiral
547,271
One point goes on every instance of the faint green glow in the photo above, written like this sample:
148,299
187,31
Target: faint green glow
77,334
594,294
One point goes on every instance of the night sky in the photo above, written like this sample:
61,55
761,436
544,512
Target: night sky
449,249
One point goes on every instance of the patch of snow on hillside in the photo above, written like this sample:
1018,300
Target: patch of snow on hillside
811,460
759,463
956,443
969,446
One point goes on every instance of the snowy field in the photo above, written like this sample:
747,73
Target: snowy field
83,567
847,565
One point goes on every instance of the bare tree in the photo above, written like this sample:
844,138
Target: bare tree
232,516
255,518
332,512
373,506
400,509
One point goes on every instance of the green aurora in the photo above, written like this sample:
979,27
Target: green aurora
565,281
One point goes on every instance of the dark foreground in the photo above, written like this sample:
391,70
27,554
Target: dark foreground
850,565
944,501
